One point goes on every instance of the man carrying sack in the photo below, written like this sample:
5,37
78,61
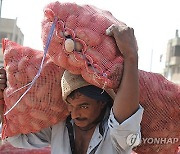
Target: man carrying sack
99,122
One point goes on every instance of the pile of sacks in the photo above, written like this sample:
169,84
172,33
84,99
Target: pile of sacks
79,44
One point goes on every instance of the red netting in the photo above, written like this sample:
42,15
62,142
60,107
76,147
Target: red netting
81,46
79,43
42,106
160,124
9,149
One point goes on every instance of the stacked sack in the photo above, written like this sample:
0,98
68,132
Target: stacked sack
160,124
42,106
9,149
80,45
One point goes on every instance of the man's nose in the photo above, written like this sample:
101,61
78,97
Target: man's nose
75,113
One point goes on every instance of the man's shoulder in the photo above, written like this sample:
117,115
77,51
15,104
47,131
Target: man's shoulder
60,124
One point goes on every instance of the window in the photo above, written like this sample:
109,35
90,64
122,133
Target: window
16,39
3,35
176,51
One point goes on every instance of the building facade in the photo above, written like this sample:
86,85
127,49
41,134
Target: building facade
172,63
10,30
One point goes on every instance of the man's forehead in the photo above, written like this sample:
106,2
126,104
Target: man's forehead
80,99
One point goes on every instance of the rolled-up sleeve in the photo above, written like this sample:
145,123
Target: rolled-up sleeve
31,140
127,134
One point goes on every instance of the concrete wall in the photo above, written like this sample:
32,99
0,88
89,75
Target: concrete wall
10,30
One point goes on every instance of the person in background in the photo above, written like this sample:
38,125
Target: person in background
98,123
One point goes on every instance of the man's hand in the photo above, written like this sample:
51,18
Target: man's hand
2,81
125,39
2,87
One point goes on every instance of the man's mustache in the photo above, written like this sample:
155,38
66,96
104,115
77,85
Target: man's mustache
80,119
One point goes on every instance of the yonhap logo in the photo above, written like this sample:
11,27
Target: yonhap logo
135,139
159,140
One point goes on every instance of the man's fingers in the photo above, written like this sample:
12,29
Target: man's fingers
1,112
2,86
2,70
2,76
1,95
2,81
109,30
115,29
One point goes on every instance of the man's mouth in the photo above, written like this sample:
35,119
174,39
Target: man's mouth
80,119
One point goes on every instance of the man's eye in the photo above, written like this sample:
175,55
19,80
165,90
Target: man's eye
84,107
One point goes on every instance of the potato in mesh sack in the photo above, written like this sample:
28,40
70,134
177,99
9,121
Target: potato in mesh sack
9,149
161,119
81,46
42,106
79,43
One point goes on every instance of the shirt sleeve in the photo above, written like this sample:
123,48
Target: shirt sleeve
32,140
127,134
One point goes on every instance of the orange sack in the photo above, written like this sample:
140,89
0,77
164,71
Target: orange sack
9,149
42,106
80,45
161,119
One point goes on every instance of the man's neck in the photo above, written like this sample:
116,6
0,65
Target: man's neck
83,138
87,129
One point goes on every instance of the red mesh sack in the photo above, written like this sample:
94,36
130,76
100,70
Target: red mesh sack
161,119
79,43
42,106
9,149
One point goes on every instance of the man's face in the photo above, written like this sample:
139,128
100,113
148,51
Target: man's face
84,110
